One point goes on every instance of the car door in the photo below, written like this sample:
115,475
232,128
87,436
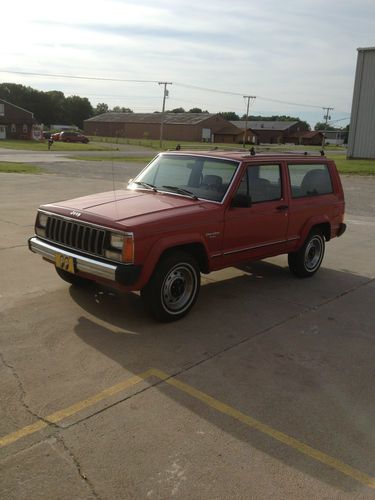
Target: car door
259,230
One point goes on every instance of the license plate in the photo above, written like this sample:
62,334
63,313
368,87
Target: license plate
64,262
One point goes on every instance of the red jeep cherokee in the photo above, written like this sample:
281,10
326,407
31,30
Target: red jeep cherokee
188,213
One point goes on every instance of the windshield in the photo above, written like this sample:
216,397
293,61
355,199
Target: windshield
188,175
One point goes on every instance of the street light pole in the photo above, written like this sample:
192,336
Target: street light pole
248,97
165,95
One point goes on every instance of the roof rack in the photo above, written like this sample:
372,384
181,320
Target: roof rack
250,151
208,148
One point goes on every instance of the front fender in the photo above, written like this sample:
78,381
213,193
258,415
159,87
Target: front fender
163,245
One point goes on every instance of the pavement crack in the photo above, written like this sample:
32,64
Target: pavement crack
23,395
14,246
78,466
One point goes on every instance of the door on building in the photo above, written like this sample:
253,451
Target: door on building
2,132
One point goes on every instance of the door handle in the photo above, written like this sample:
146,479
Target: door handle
282,208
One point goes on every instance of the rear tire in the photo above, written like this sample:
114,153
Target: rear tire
73,279
307,260
173,288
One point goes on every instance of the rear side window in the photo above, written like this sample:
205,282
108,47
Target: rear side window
309,180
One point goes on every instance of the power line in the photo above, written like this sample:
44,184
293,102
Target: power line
227,92
79,77
184,85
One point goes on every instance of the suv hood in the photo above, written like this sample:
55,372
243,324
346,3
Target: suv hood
124,206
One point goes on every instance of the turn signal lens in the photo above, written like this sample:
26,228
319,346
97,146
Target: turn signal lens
128,249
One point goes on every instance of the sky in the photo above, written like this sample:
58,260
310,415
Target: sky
296,56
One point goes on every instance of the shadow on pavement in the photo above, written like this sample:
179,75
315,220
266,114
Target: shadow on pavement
278,351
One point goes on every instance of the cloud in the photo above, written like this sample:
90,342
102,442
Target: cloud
296,51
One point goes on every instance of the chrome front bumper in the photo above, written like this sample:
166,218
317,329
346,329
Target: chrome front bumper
125,274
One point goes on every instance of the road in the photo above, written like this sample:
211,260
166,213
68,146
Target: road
264,391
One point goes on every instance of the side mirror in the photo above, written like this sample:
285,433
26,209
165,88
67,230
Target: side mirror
241,201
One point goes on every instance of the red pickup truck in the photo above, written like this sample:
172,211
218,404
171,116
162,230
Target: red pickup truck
188,213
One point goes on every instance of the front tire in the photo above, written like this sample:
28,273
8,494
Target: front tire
307,260
173,288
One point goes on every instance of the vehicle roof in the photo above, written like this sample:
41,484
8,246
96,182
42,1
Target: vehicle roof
246,156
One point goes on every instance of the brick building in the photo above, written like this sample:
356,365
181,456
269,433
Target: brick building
270,132
176,126
15,122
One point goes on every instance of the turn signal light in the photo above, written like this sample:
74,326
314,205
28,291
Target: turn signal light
128,249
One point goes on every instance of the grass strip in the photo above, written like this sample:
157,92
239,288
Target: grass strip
20,168
132,159
56,146
353,167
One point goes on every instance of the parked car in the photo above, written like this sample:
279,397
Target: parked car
188,213
56,136
73,137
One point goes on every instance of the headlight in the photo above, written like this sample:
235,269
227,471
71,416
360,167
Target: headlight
41,223
121,247
117,241
42,219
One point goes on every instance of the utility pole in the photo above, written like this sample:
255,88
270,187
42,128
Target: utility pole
165,95
326,117
252,98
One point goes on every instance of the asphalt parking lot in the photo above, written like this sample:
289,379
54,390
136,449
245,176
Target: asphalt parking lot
265,390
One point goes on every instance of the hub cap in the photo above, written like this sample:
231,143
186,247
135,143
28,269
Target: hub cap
314,253
179,288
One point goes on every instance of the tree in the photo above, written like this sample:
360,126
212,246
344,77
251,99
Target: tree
101,108
230,115
77,109
177,110
323,126
56,101
119,109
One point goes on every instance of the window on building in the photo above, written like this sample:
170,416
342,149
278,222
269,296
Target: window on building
13,128
25,128
2,111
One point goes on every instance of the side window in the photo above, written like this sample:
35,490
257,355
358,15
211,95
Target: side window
13,128
24,128
264,183
261,182
309,180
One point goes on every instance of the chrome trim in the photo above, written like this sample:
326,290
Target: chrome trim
83,222
255,247
83,264
263,245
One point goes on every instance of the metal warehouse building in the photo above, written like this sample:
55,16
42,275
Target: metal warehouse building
176,126
361,143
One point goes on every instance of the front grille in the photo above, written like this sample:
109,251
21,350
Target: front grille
76,235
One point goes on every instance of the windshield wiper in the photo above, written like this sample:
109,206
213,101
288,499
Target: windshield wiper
182,191
146,185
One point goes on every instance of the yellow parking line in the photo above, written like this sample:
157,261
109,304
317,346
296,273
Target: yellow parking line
207,400
269,431
72,410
